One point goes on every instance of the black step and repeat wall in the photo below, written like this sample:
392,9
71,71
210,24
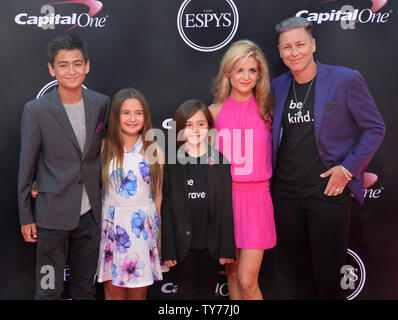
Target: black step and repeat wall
171,50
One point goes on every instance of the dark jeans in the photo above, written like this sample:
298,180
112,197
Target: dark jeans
312,241
81,247
197,275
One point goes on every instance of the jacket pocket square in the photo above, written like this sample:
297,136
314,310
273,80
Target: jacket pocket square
100,127
330,106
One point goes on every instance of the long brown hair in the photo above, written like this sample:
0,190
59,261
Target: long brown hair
222,88
113,145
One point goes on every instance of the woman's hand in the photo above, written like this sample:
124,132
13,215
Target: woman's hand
337,181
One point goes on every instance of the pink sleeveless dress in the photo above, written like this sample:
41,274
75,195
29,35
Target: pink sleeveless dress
245,141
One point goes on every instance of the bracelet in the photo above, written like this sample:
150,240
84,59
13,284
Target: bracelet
349,178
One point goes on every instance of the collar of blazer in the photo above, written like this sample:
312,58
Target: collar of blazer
63,120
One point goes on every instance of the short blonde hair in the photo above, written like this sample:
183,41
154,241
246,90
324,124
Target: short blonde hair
293,23
221,87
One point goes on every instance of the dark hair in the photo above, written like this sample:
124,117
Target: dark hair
66,42
186,110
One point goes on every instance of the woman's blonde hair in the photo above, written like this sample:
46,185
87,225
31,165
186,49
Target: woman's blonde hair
243,49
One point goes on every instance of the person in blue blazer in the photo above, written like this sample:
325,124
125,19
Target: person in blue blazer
326,129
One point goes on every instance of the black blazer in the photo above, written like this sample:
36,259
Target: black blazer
176,221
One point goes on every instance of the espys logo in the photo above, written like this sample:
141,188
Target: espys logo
354,275
349,15
50,18
207,25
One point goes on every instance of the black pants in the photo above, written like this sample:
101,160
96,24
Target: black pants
312,240
197,275
81,247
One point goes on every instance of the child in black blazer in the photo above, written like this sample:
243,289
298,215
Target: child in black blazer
197,221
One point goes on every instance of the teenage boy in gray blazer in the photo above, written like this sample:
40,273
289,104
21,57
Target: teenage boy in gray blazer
61,135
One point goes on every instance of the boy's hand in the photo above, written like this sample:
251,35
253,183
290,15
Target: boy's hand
29,232
170,263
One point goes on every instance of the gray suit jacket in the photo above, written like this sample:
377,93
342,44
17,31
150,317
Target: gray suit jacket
51,156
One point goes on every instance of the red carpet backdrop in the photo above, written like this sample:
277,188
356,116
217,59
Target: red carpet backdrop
170,50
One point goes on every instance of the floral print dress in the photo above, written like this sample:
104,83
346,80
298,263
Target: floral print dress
128,251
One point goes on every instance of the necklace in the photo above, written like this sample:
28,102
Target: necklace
299,113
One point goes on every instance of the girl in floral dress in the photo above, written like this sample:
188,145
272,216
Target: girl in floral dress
131,176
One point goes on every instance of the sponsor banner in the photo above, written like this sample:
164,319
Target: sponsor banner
348,14
52,15
171,51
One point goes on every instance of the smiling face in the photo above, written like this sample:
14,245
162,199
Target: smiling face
296,48
131,117
69,68
196,129
243,78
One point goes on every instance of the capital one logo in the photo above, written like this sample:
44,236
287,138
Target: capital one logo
369,180
52,18
378,4
349,14
169,288
207,25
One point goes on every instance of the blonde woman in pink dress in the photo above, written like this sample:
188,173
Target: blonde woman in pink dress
242,111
